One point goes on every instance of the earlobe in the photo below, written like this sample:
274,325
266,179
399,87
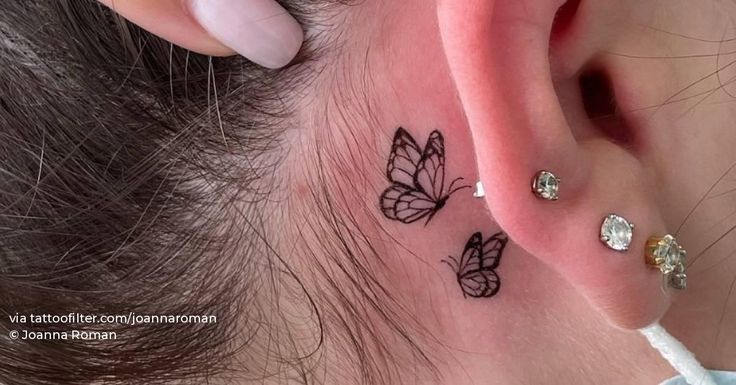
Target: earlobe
499,58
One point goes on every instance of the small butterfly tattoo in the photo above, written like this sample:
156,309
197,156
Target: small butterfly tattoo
417,179
475,270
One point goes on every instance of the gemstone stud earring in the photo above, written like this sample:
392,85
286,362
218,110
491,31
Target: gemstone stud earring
546,185
665,254
617,232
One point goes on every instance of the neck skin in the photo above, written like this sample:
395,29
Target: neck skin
538,328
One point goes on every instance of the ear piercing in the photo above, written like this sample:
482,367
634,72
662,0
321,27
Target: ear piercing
663,253
546,185
668,256
617,232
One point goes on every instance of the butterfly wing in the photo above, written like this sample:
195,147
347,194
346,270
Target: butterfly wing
481,283
471,259
404,158
430,175
476,274
404,204
493,249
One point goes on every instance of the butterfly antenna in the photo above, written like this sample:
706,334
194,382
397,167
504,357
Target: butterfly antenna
452,265
452,191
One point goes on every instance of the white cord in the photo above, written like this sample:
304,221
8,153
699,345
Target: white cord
677,355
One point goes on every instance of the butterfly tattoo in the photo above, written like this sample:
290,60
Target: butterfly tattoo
475,269
417,179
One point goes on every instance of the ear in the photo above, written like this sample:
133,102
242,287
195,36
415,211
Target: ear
260,30
499,54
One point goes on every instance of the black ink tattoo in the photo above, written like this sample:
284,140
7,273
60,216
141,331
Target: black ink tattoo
475,270
417,179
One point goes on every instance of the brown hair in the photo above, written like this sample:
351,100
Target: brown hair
123,158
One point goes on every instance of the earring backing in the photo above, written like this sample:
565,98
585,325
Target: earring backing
480,192
546,185
665,254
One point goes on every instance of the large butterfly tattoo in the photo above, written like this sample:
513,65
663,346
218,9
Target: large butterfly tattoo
417,179
475,269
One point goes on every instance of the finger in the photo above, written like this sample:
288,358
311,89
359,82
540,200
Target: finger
261,30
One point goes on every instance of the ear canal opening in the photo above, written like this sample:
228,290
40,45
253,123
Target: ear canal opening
601,107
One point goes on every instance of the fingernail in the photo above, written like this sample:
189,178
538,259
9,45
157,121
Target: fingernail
261,30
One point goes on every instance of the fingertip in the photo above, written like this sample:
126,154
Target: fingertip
260,30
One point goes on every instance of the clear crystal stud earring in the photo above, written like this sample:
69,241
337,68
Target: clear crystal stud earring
665,254
546,185
617,232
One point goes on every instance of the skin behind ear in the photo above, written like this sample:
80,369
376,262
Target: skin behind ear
498,54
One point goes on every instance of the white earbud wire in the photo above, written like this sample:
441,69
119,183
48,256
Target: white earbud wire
677,355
